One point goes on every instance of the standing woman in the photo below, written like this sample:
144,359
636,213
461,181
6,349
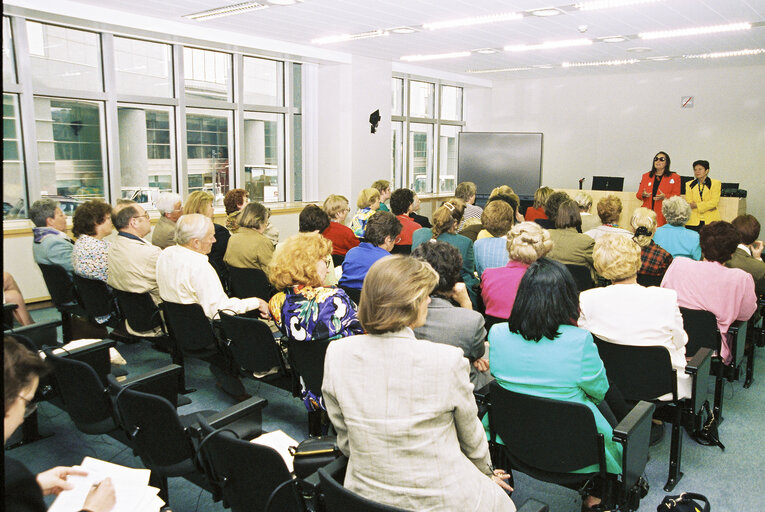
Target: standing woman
658,184
703,194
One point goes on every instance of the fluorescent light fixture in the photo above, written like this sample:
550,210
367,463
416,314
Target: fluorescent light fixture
435,56
486,51
608,4
564,43
613,39
549,11
720,55
349,37
714,29
598,63
474,20
228,10
403,30
499,70
639,49
543,66
283,2
659,59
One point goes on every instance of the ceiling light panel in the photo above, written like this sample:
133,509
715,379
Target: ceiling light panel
228,10
348,37
564,43
609,4
474,20
720,55
694,31
599,63
544,13
435,56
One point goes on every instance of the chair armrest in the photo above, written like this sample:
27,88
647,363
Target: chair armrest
164,382
95,354
245,418
336,468
41,334
482,395
698,368
737,340
633,433
532,505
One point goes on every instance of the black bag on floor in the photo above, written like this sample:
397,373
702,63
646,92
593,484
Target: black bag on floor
313,453
685,502
707,435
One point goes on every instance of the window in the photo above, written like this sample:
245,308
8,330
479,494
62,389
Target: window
263,82
451,103
397,161
207,74
147,155
447,158
9,66
421,157
263,149
397,108
143,68
208,141
64,58
421,97
14,187
297,132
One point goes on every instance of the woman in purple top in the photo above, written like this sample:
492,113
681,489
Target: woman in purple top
526,243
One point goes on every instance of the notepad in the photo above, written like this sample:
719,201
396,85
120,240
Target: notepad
280,442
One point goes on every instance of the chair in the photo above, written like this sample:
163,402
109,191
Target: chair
547,439
249,282
40,335
96,298
64,296
8,310
582,276
307,361
649,280
339,499
353,293
338,259
645,373
402,249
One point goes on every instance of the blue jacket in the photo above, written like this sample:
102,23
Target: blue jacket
357,263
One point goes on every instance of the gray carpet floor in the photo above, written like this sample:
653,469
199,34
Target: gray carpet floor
732,480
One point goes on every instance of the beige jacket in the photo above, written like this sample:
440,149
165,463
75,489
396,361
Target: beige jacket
164,233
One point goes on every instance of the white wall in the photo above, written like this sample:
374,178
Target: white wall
614,124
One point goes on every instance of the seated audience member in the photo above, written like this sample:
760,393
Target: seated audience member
673,236
458,326
383,186
654,259
51,245
12,295
91,222
570,246
396,401
609,211
475,230
24,490
337,232
382,232
170,210
368,204
708,285
626,313
526,243
248,247
491,252
541,353
537,210
589,221
703,196
467,191
419,219
234,202
748,255
401,203
446,218
306,309
315,220
552,204
202,202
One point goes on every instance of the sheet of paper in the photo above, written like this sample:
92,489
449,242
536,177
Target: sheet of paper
280,442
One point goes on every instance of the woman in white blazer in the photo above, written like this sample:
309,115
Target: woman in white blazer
627,313
403,408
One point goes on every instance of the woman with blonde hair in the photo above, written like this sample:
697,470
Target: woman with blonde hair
537,210
589,221
609,211
342,237
383,186
248,247
419,420
368,203
655,260
201,202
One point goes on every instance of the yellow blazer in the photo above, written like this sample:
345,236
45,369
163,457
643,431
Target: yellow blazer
706,210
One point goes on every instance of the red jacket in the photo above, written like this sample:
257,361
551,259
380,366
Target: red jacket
409,226
670,186
341,236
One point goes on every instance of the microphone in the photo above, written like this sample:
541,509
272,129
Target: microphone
581,180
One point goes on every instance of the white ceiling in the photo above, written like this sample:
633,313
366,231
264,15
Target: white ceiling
302,22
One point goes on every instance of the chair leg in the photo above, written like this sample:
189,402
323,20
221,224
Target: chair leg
160,482
675,453
719,388
66,326
749,351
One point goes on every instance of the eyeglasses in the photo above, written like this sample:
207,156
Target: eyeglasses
29,408
659,158
398,239
144,216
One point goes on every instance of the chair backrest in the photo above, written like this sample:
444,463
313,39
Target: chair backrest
307,359
542,434
59,284
338,259
339,499
402,249
251,342
353,293
648,280
41,334
640,373
139,310
95,296
582,276
701,327
249,282
191,329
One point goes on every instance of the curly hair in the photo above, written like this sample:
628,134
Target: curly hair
233,199
676,210
527,242
553,203
584,200
88,215
646,219
616,257
294,261
719,241
400,201
445,259
382,225
609,209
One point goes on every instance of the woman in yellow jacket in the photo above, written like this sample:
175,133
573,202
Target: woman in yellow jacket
703,194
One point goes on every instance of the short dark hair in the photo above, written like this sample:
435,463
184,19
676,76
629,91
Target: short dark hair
702,163
553,203
445,259
748,227
718,241
20,367
381,225
568,215
88,215
547,298
313,218
121,219
400,200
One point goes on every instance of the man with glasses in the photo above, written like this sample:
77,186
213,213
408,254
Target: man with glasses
169,206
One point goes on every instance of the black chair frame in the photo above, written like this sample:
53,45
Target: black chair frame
582,276
249,282
307,361
64,296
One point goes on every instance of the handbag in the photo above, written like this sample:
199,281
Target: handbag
707,434
685,502
313,453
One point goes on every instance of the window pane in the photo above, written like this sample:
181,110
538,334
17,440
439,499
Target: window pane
143,68
451,103
397,162
447,158
64,58
263,155
9,67
398,97
207,150
263,82
421,99
421,157
297,85
207,74
14,185
147,156
297,157
69,142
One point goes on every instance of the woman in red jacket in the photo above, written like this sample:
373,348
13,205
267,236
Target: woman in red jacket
657,185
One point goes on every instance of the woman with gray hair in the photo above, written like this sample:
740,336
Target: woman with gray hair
169,206
673,236
589,221
655,260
